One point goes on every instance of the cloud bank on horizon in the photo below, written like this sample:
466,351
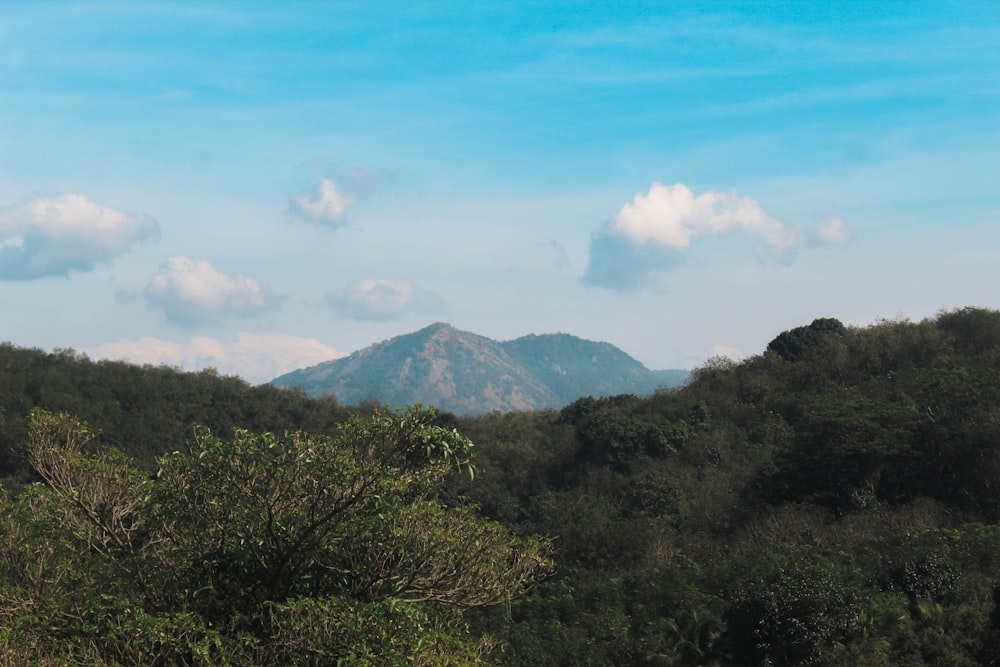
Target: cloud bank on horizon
651,233
255,357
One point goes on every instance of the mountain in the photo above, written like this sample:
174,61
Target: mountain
465,373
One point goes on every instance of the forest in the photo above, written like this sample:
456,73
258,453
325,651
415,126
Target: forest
833,500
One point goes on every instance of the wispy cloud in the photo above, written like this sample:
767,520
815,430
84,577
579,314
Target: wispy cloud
381,300
56,235
254,357
655,230
327,204
833,231
560,258
191,291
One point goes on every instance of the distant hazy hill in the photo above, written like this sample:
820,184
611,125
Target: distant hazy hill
470,374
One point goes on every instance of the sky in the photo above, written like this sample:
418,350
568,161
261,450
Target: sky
258,186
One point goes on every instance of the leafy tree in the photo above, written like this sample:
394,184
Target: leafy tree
263,549
794,609
974,330
793,344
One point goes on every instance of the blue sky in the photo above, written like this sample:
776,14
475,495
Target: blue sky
260,186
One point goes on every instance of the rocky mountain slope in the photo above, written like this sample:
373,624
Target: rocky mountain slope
466,373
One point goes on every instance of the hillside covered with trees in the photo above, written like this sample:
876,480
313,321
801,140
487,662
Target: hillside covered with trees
833,500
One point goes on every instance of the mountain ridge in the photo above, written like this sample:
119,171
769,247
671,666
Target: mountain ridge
467,373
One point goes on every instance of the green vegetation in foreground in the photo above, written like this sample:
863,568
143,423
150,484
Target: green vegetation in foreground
832,501
256,550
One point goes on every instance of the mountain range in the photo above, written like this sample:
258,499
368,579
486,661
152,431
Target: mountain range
466,373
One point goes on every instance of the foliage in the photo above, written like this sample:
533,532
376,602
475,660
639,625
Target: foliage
143,410
794,608
837,494
299,549
793,344
831,501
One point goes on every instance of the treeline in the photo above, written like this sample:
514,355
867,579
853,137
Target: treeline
142,410
834,500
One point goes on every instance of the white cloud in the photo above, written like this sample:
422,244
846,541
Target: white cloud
327,206
670,215
654,231
56,235
833,230
380,300
190,291
254,357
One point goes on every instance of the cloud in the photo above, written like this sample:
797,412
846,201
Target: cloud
834,231
55,235
670,215
192,291
618,263
254,357
655,230
381,300
326,205
560,256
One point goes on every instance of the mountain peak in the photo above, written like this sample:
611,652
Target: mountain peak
437,327
466,373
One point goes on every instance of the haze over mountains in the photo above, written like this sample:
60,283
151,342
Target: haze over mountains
466,373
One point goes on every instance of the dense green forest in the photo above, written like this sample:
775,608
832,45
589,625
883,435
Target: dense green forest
834,500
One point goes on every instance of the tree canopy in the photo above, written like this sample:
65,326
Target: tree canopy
830,501
254,549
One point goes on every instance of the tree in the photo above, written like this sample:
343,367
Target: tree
791,345
294,549
797,608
